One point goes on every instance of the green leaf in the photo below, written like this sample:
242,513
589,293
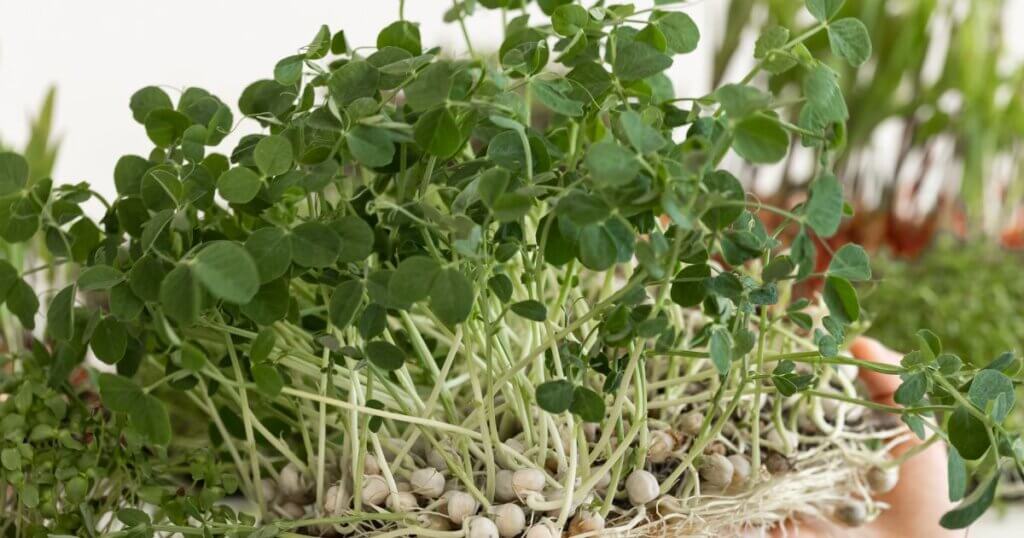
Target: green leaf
824,209
587,404
356,238
239,185
271,251
401,34
353,80
320,44
995,387
823,10
180,295
451,296
726,189
973,506
688,287
371,146
531,309
611,165
288,70
314,244
11,459
166,127
760,140
555,396
270,304
413,279
554,94
681,33
227,271
956,472
850,262
643,137
841,300
720,349
849,40
501,285
437,132
60,317
569,19
597,250
912,390
345,302
147,100
109,340
13,173
267,379
742,100
967,434
635,60
118,393
261,346
431,87
273,155
779,268
98,277
385,355
22,302
824,97
149,417
8,278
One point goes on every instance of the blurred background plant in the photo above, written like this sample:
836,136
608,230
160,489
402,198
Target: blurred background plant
40,151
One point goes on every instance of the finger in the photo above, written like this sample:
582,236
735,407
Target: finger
880,386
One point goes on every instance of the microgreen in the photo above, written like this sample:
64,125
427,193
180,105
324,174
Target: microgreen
409,249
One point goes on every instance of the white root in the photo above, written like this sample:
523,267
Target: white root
641,487
427,482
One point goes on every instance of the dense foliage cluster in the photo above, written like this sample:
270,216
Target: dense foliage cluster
411,268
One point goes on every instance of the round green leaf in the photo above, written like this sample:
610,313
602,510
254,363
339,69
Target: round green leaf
824,208
597,250
118,393
149,417
314,244
270,303
13,173
555,396
271,250
239,185
99,277
385,355
273,155
437,132
850,262
371,146
345,301
760,140
531,309
689,287
60,317
451,296
353,80
967,434
227,271
147,100
841,300
109,340
267,379
166,127
849,40
587,404
611,165
401,34
356,239
180,295
413,279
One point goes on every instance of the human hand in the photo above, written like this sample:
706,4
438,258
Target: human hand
920,497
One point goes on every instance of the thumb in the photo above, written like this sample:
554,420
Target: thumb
880,387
